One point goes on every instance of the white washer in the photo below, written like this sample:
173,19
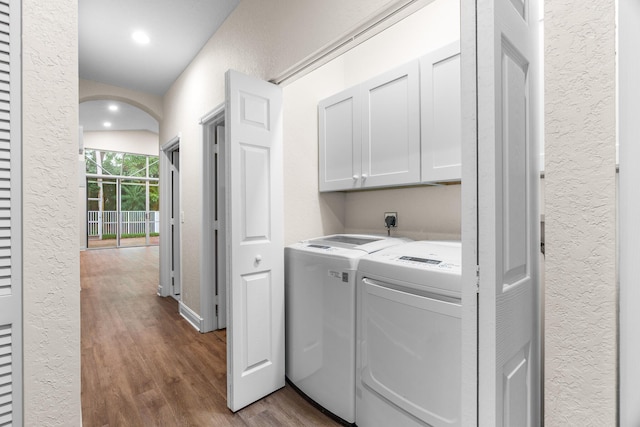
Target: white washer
320,282
409,336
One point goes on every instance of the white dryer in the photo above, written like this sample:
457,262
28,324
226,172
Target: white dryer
320,290
408,368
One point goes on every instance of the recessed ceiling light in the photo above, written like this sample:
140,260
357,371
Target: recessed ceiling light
140,37
107,124
113,107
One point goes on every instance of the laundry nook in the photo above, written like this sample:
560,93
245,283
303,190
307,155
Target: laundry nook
319,213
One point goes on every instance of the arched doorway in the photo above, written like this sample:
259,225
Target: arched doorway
119,186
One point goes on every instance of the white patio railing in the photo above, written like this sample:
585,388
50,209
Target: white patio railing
100,223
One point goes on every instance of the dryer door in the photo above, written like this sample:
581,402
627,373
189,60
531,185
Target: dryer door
408,356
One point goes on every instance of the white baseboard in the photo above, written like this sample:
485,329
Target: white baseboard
191,317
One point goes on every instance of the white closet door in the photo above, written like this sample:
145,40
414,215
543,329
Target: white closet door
508,240
255,239
10,217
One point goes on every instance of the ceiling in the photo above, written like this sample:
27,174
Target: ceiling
177,30
94,114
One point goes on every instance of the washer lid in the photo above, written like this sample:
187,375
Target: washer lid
361,242
432,265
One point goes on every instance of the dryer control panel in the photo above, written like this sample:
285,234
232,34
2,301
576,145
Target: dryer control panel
430,263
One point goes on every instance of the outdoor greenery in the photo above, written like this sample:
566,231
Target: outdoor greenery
133,197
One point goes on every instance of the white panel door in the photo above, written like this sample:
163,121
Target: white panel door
255,240
176,226
391,128
441,114
339,134
10,218
219,240
508,237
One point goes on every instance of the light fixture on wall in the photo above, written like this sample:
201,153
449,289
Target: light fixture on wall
140,37
106,124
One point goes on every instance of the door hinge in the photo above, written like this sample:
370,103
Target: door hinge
477,279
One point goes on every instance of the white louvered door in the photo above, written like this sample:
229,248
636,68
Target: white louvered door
10,218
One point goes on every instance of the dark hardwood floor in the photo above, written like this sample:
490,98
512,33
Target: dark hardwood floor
144,365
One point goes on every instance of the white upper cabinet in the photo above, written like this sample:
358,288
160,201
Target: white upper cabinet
339,132
441,114
369,135
391,128
400,128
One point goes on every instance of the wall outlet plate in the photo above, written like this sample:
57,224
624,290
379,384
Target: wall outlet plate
393,221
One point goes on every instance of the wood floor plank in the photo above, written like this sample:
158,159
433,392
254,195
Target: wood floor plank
144,365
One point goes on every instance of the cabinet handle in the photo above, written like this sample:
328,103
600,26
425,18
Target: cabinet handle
355,177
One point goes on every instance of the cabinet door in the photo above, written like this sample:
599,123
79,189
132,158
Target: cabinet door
441,114
391,128
339,141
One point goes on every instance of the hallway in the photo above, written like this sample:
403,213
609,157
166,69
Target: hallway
144,365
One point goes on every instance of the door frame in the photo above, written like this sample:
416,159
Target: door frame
209,251
628,210
469,215
166,150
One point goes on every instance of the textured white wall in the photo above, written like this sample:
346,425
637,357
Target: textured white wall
51,277
581,294
261,39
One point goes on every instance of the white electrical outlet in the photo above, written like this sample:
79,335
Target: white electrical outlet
393,222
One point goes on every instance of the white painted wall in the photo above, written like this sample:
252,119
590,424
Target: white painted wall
424,212
580,195
137,142
51,276
261,39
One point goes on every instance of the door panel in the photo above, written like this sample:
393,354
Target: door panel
339,132
255,193
256,289
175,225
509,373
440,87
255,241
133,215
391,128
219,239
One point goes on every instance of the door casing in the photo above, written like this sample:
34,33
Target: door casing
212,290
166,153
